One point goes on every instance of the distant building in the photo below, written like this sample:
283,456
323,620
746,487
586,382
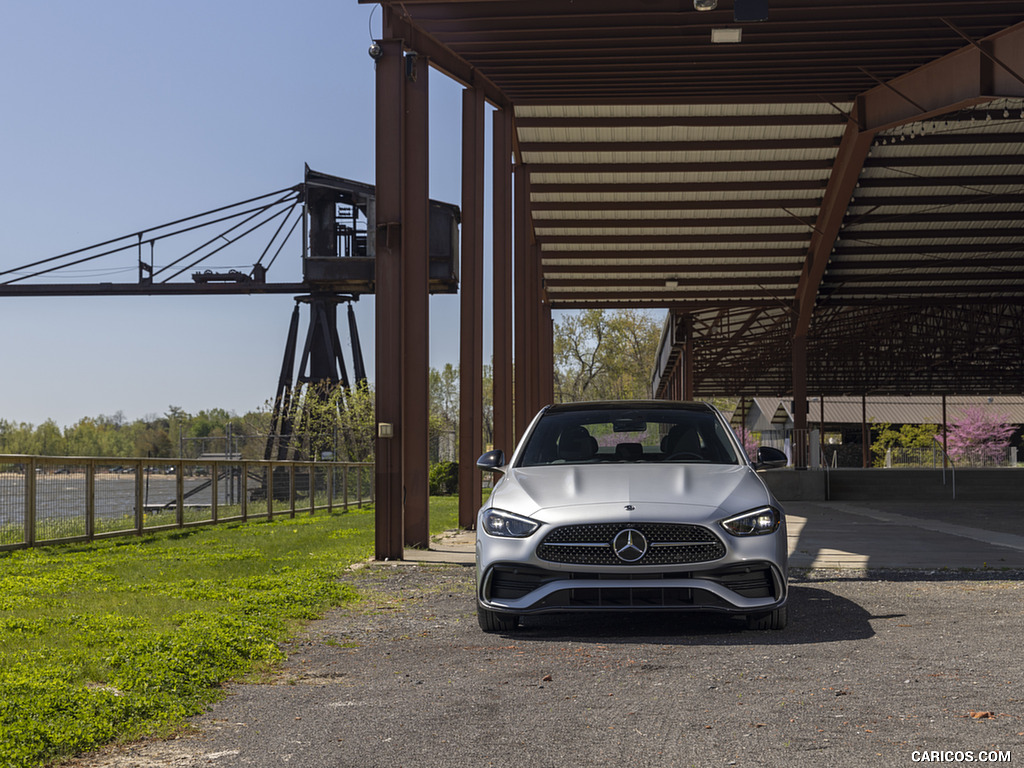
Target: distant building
840,424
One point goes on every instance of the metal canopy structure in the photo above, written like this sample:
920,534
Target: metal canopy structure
828,197
668,170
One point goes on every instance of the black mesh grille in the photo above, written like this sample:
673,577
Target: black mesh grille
667,544
514,582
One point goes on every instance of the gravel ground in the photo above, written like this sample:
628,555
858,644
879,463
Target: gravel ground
873,669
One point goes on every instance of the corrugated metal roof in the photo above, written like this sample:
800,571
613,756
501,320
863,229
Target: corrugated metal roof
697,158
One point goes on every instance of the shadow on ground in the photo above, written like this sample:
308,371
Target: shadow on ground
846,621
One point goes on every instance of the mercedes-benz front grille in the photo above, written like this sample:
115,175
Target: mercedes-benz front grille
665,544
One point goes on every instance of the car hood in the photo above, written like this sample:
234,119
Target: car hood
530,490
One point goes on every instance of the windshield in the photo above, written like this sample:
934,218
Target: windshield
609,436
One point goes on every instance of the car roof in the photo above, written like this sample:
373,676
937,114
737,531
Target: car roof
600,405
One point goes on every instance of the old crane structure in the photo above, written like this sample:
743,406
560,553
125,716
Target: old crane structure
332,217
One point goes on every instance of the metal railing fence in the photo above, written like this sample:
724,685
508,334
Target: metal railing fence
932,456
56,500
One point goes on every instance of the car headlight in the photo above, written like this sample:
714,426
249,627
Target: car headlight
756,522
496,522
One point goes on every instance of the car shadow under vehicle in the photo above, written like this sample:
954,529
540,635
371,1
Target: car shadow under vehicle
816,615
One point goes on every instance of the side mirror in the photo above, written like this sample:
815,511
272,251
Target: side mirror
492,461
770,458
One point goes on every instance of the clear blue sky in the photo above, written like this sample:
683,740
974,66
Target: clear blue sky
118,115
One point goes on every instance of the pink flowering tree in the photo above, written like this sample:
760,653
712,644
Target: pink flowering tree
750,442
978,436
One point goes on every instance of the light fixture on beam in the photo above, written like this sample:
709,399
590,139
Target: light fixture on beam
705,5
726,34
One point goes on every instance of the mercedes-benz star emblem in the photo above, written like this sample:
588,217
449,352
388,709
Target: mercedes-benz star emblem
629,545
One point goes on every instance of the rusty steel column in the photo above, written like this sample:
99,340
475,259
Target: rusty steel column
686,359
388,466
546,357
800,436
945,435
501,255
530,306
521,340
865,433
414,305
471,308
539,361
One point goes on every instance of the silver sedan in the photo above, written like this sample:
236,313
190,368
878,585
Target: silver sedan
640,506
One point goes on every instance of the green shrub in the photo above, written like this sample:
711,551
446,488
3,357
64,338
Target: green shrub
444,478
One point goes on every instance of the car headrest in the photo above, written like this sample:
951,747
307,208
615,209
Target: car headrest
576,444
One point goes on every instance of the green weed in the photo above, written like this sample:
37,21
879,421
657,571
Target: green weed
122,638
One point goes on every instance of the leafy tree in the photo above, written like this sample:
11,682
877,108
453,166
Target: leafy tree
17,438
444,404
603,355
979,435
85,438
331,420
49,441
910,437
443,395
358,422
152,439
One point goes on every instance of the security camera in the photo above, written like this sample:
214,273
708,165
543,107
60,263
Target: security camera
375,51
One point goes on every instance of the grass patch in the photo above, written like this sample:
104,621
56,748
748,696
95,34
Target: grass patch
122,638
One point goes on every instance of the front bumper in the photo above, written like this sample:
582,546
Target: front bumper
741,588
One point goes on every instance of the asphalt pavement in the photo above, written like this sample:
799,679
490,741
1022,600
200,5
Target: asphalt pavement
901,649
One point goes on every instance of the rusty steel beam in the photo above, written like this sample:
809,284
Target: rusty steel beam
927,250
682,121
390,118
415,439
722,237
442,57
721,145
160,289
747,296
853,151
690,223
501,251
750,258
651,301
670,264
471,307
792,185
944,85
960,79
576,206
641,280
739,166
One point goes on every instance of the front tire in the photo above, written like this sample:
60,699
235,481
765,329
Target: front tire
772,620
491,621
